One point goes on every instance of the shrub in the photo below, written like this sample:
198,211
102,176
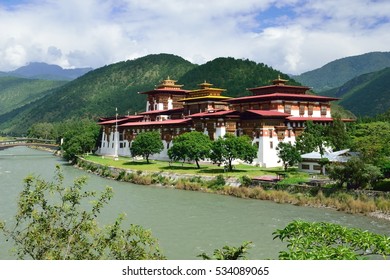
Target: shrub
245,181
217,183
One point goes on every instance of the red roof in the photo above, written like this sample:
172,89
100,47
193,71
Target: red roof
214,114
268,113
166,90
161,112
113,121
167,122
285,96
314,119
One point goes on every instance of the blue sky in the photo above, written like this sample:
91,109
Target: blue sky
293,36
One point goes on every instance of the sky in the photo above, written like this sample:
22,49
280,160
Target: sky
293,36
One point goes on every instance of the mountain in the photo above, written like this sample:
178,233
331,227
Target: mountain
44,71
97,93
17,92
336,73
365,95
234,75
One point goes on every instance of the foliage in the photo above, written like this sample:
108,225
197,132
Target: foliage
146,144
245,181
54,222
337,134
372,140
312,139
225,150
327,241
355,173
229,252
41,131
190,146
288,154
79,137
217,183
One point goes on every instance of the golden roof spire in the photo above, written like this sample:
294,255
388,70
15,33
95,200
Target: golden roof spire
279,81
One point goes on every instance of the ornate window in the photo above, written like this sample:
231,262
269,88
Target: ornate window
287,108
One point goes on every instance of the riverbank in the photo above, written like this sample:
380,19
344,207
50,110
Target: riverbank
372,204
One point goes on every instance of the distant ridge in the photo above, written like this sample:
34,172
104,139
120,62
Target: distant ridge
365,95
44,71
340,71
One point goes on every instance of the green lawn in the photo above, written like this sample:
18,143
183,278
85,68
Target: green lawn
187,168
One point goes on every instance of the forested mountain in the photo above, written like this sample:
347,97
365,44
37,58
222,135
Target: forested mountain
99,92
17,92
44,71
366,95
234,75
340,71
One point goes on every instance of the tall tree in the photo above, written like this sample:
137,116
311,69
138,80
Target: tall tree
146,144
337,134
225,150
55,222
312,139
288,154
79,137
190,146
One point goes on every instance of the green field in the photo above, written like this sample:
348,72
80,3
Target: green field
189,168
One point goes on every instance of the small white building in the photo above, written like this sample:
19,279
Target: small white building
311,162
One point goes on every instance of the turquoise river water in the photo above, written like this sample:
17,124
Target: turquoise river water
186,223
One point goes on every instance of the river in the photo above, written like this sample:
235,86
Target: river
186,223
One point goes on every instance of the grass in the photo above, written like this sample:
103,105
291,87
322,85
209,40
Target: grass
188,168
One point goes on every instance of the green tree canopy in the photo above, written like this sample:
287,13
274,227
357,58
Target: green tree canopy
225,150
146,144
190,146
327,241
312,139
55,222
372,141
288,154
355,173
337,134
79,137
42,131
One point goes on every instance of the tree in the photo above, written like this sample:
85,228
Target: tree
372,141
146,144
54,222
355,173
41,130
288,154
327,241
337,134
79,137
190,146
312,139
225,150
229,252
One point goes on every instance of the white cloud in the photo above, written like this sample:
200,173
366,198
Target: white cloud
290,35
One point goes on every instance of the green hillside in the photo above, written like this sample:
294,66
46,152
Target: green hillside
17,92
99,92
366,95
234,75
338,72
